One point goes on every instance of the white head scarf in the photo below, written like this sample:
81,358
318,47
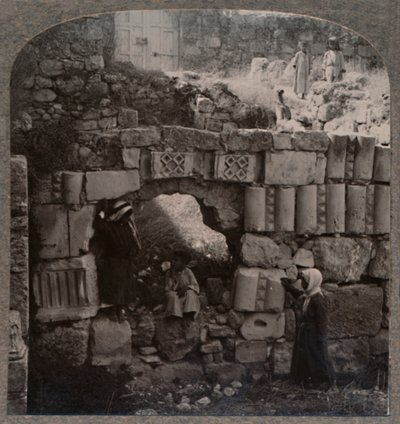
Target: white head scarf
314,278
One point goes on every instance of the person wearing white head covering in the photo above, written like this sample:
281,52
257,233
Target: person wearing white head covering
120,241
311,363
333,61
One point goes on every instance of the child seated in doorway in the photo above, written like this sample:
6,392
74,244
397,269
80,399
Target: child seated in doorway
182,289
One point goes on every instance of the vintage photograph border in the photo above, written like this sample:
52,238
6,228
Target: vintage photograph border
378,22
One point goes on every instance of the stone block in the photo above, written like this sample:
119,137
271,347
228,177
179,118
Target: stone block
258,289
379,267
335,208
364,158
225,372
47,349
284,208
342,259
290,325
379,345
171,164
304,258
329,111
382,164
108,123
321,209
140,137
336,157
44,95
128,118
52,225
80,229
176,338
350,154
86,125
220,331
370,209
320,169
356,200
235,167
213,347
51,67
312,141
259,251
269,208
111,184
131,158
235,319
254,209
143,330
66,289
248,351
249,140
263,326
290,168
72,187
18,376
382,209
282,141
94,63
214,290
184,139
19,185
306,209
110,342
212,124
350,356
282,358
204,104
355,311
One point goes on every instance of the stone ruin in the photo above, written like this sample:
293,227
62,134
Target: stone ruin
283,200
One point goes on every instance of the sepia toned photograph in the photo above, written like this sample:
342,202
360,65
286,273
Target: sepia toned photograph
200,218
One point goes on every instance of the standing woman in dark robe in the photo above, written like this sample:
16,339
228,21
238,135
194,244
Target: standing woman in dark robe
311,364
119,237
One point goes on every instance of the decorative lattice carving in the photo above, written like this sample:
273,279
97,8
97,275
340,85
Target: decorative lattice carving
172,164
240,168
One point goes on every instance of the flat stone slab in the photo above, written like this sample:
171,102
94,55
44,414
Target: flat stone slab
251,351
263,326
110,342
111,184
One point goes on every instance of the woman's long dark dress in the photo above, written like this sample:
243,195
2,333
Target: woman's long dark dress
311,362
116,282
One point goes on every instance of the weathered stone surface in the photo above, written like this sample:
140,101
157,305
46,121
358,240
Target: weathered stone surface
111,184
350,356
225,372
176,338
336,156
249,140
235,319
80,229
150,350
140,136
73,291
110,342
17,347
379,266
355,311
51,67
143,330
382,164
185,371
281,358
19,185
18,376
73,350
259,251
251,351
220,331
44,95
313,141
364,158
128,118
284,208
335,208
379,345
131,158
95,62
290,168
342,259
304,258
282,141
382,209
214,290
263,326
213,347
52,225
72,187
204,104
184,139
86,125
254,209
329,111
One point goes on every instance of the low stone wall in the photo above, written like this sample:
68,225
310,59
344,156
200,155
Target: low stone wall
292,200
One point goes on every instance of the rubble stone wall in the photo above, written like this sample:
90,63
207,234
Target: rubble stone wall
228,41
287,200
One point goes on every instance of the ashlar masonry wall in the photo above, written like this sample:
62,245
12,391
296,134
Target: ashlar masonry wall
292,200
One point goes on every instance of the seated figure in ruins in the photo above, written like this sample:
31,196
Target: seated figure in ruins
182,289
